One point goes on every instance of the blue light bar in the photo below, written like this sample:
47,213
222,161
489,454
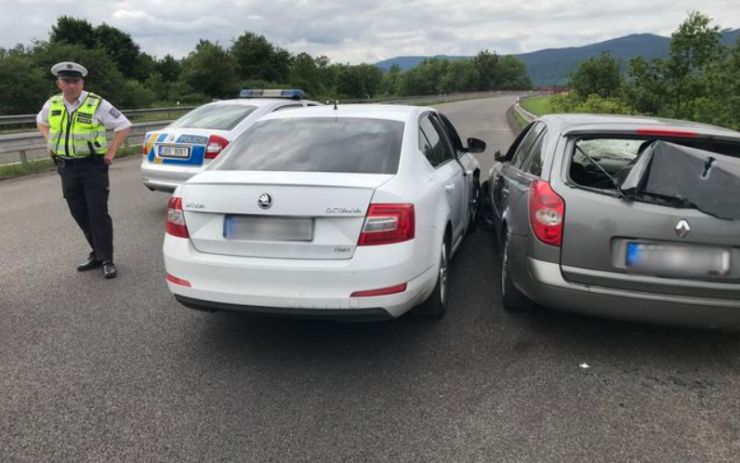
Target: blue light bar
293,93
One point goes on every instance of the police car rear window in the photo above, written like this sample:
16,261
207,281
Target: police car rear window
214,116
349,145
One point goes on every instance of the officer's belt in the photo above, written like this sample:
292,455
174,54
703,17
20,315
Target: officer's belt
63,162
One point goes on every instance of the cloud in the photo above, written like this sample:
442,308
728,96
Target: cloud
136,15
365,30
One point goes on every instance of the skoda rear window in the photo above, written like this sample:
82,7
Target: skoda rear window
349,145
214,116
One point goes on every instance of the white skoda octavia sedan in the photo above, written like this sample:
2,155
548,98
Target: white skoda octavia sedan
340,212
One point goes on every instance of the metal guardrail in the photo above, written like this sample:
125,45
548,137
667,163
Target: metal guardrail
20,119
28,147
526,115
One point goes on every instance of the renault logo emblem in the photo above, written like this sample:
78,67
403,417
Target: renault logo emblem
264,201
683,229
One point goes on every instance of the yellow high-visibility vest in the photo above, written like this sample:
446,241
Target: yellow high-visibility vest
76,135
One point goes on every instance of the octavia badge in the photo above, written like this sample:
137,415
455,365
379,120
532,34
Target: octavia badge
683,229
264,201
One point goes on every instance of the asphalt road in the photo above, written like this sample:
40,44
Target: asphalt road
98,370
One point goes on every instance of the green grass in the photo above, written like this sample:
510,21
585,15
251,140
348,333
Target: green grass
43,165
538,105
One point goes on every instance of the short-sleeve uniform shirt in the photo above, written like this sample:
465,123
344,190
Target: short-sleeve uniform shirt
106,114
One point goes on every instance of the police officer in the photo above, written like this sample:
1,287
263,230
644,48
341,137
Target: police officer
73,124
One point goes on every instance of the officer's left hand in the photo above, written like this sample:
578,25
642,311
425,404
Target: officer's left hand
108,158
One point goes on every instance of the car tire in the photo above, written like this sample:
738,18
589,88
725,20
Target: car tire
474,214
436,304
512,299
485,210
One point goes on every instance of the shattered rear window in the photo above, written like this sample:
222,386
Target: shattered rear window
700,174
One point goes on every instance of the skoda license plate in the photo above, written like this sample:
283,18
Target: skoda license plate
264,228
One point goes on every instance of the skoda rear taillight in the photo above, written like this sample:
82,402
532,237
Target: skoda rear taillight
388,224
215,145
175,224
546,213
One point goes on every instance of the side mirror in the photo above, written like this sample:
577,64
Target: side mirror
476,146
498,156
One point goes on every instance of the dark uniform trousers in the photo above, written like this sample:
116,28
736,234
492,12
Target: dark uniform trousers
86,188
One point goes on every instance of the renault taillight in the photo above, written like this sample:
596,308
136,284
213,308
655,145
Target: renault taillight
546,213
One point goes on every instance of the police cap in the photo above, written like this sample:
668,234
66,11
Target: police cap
68,70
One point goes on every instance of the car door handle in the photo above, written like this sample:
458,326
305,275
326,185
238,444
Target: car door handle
449,187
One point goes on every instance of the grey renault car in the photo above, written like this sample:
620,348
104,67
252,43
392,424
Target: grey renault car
626,217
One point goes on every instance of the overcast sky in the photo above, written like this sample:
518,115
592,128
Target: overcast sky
365,30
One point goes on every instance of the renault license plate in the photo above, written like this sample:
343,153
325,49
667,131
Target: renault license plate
179,152
676,260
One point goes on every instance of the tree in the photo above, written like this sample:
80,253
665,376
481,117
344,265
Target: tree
513,74
597,76
74,31
645,89
304,74
360,81
487,65
693,47
424,79
169,68
27,85
158,86
121,49
137,95
210,70
103,76
390,84
256,58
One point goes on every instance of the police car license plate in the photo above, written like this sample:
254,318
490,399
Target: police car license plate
180,152
679,261
262,228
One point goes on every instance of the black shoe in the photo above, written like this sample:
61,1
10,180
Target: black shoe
89,264
109,269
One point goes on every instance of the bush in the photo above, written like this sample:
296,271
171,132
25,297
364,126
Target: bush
600,105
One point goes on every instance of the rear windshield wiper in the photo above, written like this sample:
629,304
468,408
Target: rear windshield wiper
614,181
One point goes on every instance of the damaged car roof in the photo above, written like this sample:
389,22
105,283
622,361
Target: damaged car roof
576,123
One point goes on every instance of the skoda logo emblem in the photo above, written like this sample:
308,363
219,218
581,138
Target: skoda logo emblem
683,229
264,201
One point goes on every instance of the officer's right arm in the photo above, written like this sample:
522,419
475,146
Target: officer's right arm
42,120
44,129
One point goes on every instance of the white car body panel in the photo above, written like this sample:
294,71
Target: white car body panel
315,275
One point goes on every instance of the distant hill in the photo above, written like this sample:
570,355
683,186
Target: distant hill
408,62
552,66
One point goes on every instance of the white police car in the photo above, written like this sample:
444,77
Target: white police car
185,147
